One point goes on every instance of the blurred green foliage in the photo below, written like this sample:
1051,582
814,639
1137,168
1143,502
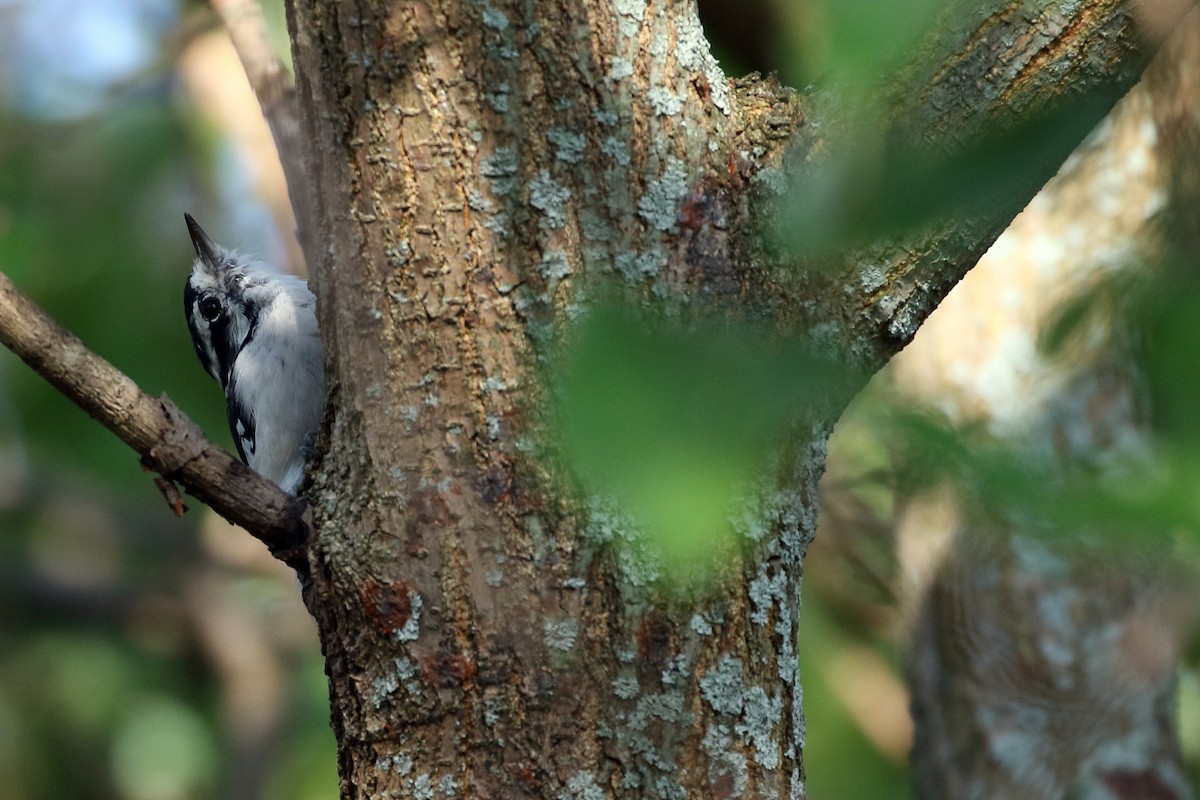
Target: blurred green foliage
109,687
79,236
678,422
853,44
878,183
840,762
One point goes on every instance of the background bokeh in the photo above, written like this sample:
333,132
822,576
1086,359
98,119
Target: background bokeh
141,656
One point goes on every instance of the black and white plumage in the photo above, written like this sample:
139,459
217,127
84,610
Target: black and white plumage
255,331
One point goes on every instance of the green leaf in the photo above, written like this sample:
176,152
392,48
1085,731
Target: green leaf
880,184
677,422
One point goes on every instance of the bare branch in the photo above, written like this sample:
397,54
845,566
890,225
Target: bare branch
170,493
983,75
276,94
168,442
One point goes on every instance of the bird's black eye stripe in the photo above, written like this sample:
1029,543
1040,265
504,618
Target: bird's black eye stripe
210,308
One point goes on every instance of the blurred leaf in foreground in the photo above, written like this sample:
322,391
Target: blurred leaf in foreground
1129,502
854,43
882,184
678,422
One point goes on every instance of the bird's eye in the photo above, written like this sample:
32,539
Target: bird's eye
210,308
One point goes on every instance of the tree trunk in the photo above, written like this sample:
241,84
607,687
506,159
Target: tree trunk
481,166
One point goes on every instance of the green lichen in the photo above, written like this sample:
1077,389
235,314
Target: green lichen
568,145
560,634
582,786
760,718
659,206
626,686
665,102
422,788
549,197
722,686
412,626
620,68
494,18
631,13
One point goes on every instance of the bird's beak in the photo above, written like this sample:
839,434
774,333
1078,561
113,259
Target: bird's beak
206,248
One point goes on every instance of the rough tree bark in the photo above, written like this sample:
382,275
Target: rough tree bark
475,165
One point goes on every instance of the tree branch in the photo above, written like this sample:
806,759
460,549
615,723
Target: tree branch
168,442
977,76
276,94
